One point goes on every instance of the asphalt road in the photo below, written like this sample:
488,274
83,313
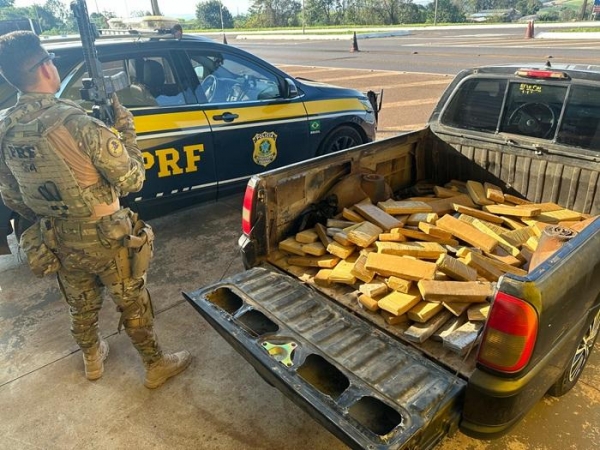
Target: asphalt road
220,402
413,70
428,51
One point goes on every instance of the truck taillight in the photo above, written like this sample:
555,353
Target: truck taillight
510,334
541,73
247,207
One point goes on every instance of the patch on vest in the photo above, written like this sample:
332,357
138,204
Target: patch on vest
114,147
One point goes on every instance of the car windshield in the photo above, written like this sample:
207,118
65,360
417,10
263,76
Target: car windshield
558,112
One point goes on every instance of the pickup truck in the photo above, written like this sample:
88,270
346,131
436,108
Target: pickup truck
533,131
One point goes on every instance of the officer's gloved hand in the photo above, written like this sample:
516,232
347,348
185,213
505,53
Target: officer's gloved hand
123,122
123,117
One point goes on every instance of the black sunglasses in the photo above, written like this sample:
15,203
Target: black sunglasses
48,57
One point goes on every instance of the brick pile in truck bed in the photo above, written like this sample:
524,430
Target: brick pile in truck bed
427,264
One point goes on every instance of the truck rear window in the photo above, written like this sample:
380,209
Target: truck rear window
581,121
566,114
476,105
533,109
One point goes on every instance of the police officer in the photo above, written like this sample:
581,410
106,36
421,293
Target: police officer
64,171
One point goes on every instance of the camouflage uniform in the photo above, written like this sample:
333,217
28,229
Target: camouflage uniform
65,171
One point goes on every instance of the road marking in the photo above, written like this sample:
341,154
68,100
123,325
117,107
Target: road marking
415,84
443,79
298,69
360,77
414,126
424,101
349,69
508,43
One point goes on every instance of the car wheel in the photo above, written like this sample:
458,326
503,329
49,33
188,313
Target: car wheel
579,359
340,139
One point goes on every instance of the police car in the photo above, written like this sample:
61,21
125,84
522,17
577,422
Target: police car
209,115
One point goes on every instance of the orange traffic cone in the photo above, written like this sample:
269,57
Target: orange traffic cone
529,31
354,44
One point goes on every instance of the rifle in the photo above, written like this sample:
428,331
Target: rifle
96,88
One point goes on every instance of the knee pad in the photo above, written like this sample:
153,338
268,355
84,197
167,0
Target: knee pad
137,314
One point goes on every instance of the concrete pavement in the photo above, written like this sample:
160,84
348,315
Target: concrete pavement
48,404
219,402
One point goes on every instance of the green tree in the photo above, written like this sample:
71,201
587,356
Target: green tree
241,21
355,12
6,3
447,12
48,21
388,11
392,12
9,13
568,14
473,6
99,19
58,9
48,18
412,13
274,13
323,12
528,7
60,15
209,12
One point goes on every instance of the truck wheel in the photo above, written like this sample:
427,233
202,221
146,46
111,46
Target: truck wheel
580,358
340,139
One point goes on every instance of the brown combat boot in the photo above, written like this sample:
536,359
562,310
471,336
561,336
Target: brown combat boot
166,367
93,360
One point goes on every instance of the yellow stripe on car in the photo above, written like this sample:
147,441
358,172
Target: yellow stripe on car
195,119
329,106
258,113
170,121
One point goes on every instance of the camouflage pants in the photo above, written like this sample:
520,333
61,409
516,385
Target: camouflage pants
89,264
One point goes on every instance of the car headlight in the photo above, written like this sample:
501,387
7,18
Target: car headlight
366,103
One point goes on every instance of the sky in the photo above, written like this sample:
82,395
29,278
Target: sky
172,8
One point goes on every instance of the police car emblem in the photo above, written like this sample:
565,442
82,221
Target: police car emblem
265,148
114,147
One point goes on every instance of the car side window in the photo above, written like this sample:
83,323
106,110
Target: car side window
224,78
156,75
139,82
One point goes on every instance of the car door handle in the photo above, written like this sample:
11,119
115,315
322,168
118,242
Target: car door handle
226,117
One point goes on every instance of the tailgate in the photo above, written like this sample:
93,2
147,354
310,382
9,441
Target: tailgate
364,386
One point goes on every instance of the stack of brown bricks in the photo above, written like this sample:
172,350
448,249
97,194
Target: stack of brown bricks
427,264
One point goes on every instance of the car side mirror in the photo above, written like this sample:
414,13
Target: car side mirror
291,89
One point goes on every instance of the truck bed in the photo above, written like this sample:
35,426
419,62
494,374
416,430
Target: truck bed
403,160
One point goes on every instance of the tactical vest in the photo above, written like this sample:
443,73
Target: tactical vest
48,185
